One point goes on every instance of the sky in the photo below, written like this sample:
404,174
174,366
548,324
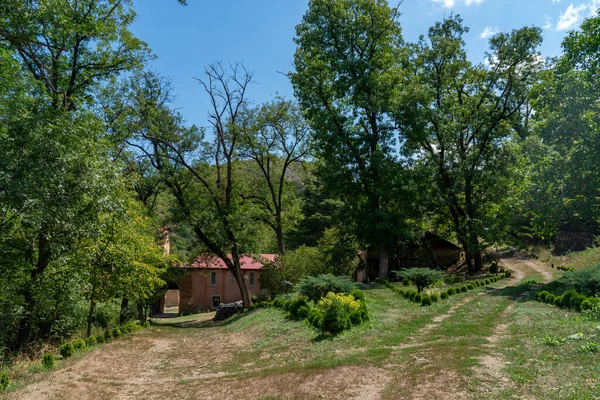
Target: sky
259,33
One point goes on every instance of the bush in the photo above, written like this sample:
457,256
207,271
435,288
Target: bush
116,333
48,361
557,301
470,286
67,350
90,341
463,289
434,297
317,287
4,381
360,295
576,301
293,305
590,303
507,273
550,298
411,295
451,291
100,339
303,312
494,268
541,296
566,298
108,335
426,301
487,281
79,344
418,298
421,277
315,317
454,279
146,324
444,295
337,312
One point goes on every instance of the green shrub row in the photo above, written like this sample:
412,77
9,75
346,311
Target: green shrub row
4,381
566,269
427,300
571,300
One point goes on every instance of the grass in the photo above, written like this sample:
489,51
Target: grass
491,342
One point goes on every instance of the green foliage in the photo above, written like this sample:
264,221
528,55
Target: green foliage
108,335
48,361
358,294
147,324
91,341
426,301
553,341
470,286
507,273
464,289
303,311
338,312
116,332
67,350
494,268
4,381
444,295
317,287
100,339
421,277
590,347
452,291
586,280
417,298
79,344
434,297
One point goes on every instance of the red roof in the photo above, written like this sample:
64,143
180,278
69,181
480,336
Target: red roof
209,261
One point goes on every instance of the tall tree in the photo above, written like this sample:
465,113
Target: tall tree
347,70
274,136
461,118
201,175
567,120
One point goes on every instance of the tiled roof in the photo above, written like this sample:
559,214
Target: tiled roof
209,261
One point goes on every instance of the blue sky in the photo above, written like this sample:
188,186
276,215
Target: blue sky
260,34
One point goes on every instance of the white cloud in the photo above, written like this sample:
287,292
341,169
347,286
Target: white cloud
571,16
445,3
556,1
547,22
452,3
488,31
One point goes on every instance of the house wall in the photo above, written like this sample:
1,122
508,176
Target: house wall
196,291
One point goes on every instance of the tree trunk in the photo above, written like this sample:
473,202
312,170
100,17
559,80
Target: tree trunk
383,260
90,317
476,250
123,313
279,232
141,314
239,278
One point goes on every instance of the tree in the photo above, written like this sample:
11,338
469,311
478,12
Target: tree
347,70
567,120
123,259
461,118
275,137
201,176
421,277
71,46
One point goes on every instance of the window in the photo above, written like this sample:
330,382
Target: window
251,278
213,279
216,301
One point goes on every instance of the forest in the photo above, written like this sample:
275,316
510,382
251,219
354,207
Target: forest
384,140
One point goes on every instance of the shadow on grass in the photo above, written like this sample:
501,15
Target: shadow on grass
209,323
516,292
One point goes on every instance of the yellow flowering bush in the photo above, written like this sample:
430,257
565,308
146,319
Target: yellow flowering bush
337,311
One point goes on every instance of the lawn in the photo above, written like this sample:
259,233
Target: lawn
486,343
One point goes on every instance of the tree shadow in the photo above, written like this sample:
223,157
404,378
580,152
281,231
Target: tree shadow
209,323
521,292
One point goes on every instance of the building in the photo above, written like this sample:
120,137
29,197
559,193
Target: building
207,282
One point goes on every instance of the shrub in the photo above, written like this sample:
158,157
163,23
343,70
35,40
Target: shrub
451,291
147,324
317,287
444,295
360,295
454,279
48,361
67,350
590,347
293,305
494,268
507,273
426,301
90,341
487,281
417,298
464,289
421,277
108,335
566,298
79,344
434,297
541,296
590,303
4,381
336,311
550,298
411,295
315,317
100,339
125,329
303,311
557,300
116,333
470,286
576,300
